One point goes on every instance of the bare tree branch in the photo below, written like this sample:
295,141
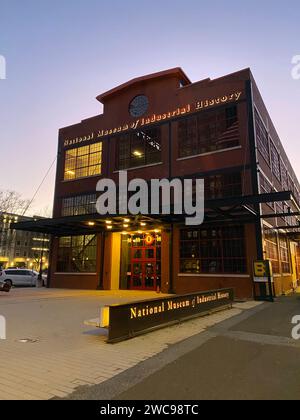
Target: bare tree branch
12,202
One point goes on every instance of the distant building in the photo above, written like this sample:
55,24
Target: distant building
21,249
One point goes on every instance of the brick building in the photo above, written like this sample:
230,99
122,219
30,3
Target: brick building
164,126
19,248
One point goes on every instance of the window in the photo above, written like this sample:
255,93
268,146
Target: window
139,149
225,185
213,250
26,273
83,162
284,255
262,138
275,161
266,188
271,247
79,205
284,177
280,209
208,132
77,254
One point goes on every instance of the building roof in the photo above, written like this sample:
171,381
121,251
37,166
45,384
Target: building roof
177,72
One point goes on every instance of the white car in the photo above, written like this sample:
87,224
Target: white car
19,277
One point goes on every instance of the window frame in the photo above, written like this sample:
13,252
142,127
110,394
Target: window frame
262,137
69,250
272,249
285,257
223,185
73,209
201,133
129,142
72,168
275,161
212,252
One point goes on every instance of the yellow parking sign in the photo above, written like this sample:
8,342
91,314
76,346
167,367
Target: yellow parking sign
263,271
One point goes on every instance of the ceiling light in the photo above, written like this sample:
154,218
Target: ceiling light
137,153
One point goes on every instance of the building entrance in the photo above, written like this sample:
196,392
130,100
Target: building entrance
144,261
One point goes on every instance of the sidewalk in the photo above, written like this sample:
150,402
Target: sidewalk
62,354
250,356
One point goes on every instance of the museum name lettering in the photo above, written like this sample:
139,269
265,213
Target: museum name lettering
156,118
172,305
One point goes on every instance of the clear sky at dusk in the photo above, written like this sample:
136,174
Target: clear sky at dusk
61,54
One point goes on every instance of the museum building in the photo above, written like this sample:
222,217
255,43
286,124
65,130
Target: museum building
163,126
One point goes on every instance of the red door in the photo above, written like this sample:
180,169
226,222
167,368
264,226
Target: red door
144,268
145,262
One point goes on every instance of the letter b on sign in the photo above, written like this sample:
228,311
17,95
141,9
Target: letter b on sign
260,269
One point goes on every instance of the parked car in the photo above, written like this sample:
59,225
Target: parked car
19,277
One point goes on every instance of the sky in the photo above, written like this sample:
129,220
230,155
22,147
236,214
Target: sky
61,54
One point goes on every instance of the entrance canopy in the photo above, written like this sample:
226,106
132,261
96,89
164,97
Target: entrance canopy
232,209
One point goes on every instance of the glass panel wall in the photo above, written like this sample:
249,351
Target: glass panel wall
77,254
213,250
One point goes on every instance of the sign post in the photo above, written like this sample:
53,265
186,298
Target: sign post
263,275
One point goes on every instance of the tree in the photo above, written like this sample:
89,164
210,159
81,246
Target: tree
12,202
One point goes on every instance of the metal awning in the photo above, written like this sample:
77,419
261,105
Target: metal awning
81,225
225,210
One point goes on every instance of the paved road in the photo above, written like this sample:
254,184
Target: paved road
250,356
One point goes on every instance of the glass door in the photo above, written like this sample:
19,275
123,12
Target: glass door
145,264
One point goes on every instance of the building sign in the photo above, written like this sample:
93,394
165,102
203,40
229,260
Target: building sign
263,271
130,320
156,118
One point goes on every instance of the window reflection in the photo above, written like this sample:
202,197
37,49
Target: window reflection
77,254
139,149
